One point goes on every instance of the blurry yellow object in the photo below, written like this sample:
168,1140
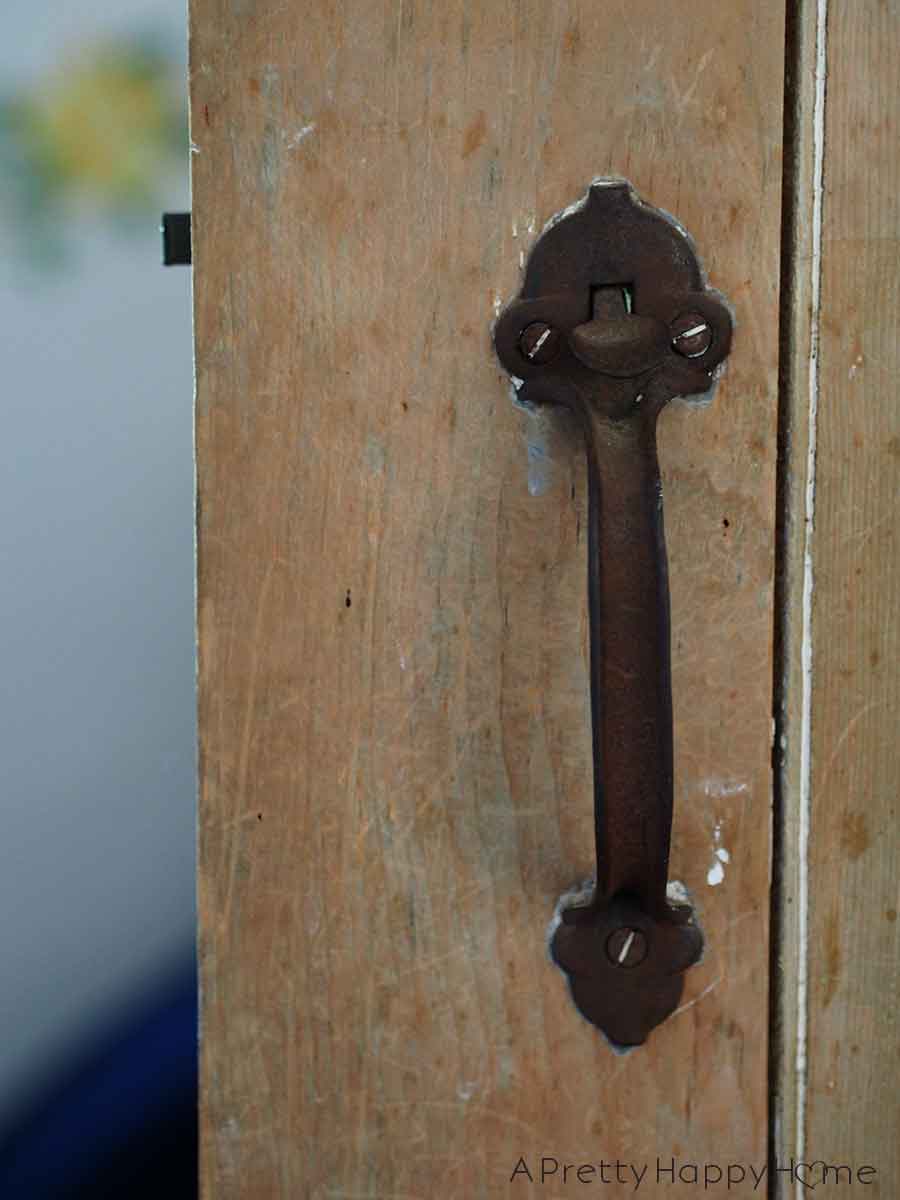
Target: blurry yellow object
102,126
104,129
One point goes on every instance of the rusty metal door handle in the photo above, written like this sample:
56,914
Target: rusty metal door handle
614,320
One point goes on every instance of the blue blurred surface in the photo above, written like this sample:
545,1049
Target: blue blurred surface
121,1121
97,749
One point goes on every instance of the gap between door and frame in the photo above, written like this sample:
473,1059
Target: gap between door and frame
798,388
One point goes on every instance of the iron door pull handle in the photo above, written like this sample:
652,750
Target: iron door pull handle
614,320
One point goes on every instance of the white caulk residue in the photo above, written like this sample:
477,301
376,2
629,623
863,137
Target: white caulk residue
721,857
294,141
804,806
718,789
540,460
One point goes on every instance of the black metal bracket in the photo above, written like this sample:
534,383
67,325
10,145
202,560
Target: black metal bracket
176,239
613,320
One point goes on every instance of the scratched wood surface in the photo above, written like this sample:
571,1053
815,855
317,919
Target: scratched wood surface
842,1105
395,774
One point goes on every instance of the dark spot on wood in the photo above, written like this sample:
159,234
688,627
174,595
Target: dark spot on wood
465,34
347,600
725,523
893,446
411,916
832,957
854,835
492,179
474,134
891,914
206,114
571,39
259,816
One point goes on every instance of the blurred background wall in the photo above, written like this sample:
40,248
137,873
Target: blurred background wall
96,587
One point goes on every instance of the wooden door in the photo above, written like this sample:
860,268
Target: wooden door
394,760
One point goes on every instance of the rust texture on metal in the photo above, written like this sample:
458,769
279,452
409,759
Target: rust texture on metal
614,320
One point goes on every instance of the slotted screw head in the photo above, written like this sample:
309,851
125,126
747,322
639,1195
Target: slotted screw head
691,335
539,342
626,947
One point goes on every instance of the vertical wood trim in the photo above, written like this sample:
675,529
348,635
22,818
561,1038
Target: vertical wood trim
836,1097
800,267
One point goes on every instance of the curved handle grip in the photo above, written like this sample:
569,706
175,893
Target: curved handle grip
631,701
612,322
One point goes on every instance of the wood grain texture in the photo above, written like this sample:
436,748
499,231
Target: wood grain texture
853,1103
395,774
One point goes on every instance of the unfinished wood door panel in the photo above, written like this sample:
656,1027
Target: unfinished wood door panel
395,744
840,992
